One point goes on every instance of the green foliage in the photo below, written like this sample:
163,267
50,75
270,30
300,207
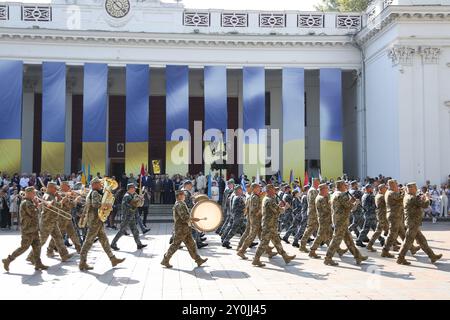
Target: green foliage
343,5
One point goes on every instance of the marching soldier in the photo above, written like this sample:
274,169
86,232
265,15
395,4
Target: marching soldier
357,214
382,223
66,226
287,218
413,205
130,203
248,197
370,218
237,212
254,217
303,218
270,214
296,215
226,206
49,224
325,232
312,224
29,222
182,231
95,227
341,205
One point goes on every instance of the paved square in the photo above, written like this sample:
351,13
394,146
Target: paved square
225,275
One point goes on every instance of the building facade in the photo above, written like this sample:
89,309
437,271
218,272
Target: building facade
106,83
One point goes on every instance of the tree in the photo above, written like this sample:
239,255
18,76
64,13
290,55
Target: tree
343,5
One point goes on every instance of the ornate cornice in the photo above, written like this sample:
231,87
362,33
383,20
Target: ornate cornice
395,13
171,39
430,54
402,55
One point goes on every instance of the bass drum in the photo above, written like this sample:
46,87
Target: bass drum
209,213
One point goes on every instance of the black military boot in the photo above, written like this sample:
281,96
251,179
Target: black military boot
253,244
115,247
285,239
226,245
360,244
141,246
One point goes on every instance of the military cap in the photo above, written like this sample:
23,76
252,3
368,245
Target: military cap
230,181
95,180
187,182
178,192
29,189
295,192
351,183
411,184
340,183
254,185
307,186
130,185
367,186
322,185
65,183
237,187
287,186
51,183
270,186
381,186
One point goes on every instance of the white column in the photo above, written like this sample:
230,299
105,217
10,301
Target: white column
239,83
68,133
27,132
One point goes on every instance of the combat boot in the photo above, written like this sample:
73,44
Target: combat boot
396,248
414,249
304,249
341,252
288,258
114,247
253,244
286,240
330,262
313,254
386,254
295,244
242,255
382,241
201,261
66,257
361,259
6,262
83,266
272,254
360,244
436,257
166,263
402,260
115,261
40,266
141,246
258,263
370,248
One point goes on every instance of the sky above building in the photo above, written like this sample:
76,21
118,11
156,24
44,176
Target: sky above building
303,5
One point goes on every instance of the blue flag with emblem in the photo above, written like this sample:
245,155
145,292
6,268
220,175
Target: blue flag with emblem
209,185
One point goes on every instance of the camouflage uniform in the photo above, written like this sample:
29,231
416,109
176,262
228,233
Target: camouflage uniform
341,207
95,227
297,218
357,216
313,223
270,214
394,214
225,208
413,207
49,227
325,233
370,219
382,224
302,220
247,222
29,222
182,232
226,226
190,205
237,211
66,227
288,216
129,219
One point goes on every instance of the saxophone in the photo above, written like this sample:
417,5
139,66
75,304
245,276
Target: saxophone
109,185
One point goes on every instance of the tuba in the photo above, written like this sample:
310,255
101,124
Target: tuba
109,185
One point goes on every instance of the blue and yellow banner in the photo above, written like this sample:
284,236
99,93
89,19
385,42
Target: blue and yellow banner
94,116
53,116
216,112
331,154
11,79
177,117
293,100
137,113
254,99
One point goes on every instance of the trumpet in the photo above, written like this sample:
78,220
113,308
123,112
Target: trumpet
60,212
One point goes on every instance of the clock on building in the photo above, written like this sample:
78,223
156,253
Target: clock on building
117,8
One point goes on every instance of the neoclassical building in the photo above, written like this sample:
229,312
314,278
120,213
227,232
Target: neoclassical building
107,84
